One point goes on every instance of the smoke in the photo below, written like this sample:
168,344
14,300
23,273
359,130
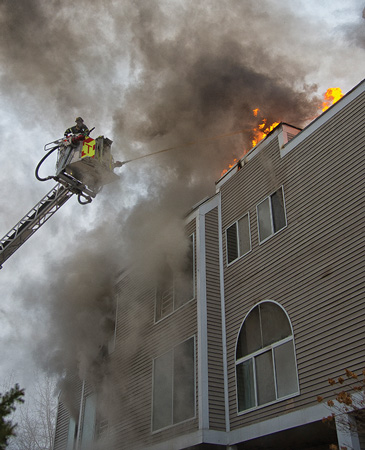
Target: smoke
355,32
154,75
66,58
80,312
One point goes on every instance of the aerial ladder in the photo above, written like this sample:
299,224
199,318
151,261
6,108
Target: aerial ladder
83,166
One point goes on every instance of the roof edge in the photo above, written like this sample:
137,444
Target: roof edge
323,118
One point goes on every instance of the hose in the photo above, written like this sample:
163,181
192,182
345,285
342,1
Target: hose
188,144
80,196
41,162
88,199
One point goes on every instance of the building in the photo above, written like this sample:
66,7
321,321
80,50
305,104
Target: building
271,305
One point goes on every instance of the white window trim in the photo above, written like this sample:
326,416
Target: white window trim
274,233
173,288
153,384
238,247
174,311
252,355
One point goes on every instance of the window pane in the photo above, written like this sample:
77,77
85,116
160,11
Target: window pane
184,381
245,385
244,235
278,213
184,281
162,391
232,249
274,323
165,294
286,373
71,434
88,426
249,339
265,378
263,211
165,302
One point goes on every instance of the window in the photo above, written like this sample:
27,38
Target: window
88,426
71,435
271,215
238,239
94,426
176,289
174,386
265,359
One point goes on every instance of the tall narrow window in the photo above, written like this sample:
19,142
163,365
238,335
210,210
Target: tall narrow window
176,289
71,435
165,294
265,359
271,214
174,386
238,239
184,285
88,425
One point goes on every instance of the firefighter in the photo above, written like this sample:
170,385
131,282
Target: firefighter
79,128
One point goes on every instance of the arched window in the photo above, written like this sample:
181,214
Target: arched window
265,359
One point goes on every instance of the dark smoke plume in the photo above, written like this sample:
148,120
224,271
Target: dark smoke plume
158,74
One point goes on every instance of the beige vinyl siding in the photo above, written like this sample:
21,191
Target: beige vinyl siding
61,433
314,267
139,340
214,324
68,404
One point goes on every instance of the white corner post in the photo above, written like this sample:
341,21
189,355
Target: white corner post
347,435
203,401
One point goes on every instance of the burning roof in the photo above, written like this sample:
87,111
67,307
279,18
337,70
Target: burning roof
264,128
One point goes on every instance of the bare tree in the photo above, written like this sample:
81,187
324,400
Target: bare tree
348,400
37,417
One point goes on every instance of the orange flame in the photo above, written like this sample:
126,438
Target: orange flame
229,167
262,130
331,96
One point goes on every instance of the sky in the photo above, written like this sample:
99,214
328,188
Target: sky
148,75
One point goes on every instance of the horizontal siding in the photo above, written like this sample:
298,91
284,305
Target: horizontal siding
314,267
61,433
138,341
68,406
214,324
